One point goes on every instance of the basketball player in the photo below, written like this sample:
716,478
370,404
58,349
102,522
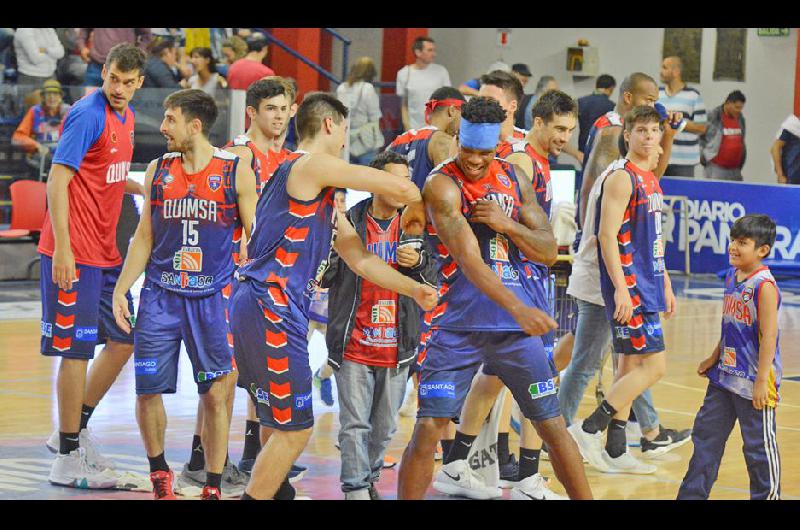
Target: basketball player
486,312
635,287
429,146
506,90
296,227
197,195
81,262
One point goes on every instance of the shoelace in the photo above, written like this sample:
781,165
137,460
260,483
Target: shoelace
162,485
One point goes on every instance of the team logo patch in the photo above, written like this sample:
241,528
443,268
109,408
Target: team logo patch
542,389
302,402
498,248
729,359
503,179
167,179
384,312
113,137
259,394
214,182
188,259
747,294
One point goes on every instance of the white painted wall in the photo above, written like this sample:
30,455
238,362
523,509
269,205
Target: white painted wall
769,85
365,42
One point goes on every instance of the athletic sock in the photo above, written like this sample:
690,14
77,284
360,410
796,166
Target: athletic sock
462,443
503,455
616,442
285,491
158,463
214,480
528,462
446,445
67,442
599,419
252,440
86,413
197,460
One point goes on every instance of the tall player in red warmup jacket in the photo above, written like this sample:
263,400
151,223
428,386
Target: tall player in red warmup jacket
80,262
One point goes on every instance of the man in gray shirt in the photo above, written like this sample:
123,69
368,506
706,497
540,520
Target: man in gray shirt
416,82
102,40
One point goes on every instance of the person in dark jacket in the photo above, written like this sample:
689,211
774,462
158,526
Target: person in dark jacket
161,70
722,147
372,336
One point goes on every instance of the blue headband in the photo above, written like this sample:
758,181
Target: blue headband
482,136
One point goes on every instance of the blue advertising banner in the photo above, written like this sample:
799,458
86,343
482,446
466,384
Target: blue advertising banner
712,208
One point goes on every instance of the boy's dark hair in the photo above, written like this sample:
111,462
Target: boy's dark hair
256,42
194,103
605,81
388,157
483,110
447,92
127,57
735,97
317,106
419,43
263,89
641,114
758,227
506,82
553,103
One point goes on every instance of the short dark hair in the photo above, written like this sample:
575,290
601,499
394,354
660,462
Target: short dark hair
206,53
388,157
735,97
256,42
483,110
263,89
317,106
445,92
605,81
552,103
126,57
159,44
506,82
419,43
630,83
194,103
642,113
758,227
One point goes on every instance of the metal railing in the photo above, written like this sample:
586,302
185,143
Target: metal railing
669,201
345,50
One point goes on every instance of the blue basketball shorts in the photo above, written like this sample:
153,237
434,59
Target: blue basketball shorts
75,321
165,319
271,349
642,334
518,359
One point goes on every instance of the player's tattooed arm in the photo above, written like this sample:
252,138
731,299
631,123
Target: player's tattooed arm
441,147
533,234
605,151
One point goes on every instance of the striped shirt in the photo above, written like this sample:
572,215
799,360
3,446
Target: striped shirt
686,146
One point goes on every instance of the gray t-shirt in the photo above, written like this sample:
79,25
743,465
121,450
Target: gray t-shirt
417,86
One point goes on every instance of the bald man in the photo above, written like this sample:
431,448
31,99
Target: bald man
676,96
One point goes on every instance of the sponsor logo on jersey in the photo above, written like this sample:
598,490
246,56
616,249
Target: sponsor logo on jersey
259,394
659,265
184,280
189,208
202,377
188,259
86,334
214,182
384,312
653,328
46,328
503,179
437,389
167,179
729,359
658,248
145,366
747,294
542,389
505,271
498,248
622,332
734,308
302,402
117,172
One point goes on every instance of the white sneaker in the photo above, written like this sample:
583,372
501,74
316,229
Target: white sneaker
409,408
87,441
627,463
590,445
357,495
457,478
534,488
75,471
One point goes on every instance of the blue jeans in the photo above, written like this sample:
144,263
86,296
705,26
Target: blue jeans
93,77
592,337
369,401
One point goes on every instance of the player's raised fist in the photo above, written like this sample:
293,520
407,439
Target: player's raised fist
425,296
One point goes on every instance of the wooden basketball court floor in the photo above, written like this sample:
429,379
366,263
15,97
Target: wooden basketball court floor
28,412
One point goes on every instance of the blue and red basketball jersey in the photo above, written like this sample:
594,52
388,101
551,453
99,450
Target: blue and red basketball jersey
462,306
193,217
608,119
641,248
290,246
263,164
737,368
541,172
413,144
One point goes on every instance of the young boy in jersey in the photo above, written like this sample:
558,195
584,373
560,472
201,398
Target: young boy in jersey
296,228
744,370
485,226
635,287
198,193
81,263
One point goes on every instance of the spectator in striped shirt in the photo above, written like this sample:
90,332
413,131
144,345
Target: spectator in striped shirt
676,96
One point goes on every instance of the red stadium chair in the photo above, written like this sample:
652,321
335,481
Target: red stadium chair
28,206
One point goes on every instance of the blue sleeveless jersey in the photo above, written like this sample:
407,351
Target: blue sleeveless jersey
290,247
738,360
462,306
413,145
193,218
641,248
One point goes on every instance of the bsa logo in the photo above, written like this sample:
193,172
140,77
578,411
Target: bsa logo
214,182
498,248
747,294
503,179
542,389
729,359
384,312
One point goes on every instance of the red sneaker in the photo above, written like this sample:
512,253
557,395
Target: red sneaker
162,485
211,494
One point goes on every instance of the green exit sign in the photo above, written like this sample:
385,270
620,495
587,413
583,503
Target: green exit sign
773,32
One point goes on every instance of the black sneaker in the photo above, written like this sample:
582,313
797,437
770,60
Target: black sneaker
373,493
509,472
285,492
666,441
